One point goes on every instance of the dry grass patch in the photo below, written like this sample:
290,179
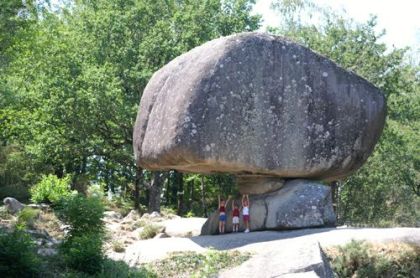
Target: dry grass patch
192,264
363,259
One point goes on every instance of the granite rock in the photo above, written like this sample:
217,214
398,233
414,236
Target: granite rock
257,104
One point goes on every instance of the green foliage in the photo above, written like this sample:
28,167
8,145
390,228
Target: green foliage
83,252
119,269
82,248
5,214
360,259
118,246
77,74
51,189
83,214
198,265
150,231
27,217
17,255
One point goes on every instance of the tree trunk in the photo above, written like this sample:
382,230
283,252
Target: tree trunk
203,202
180,193
334,195
154,191
137,185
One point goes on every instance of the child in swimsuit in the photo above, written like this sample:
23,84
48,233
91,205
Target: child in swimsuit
235,217
222,215
245,211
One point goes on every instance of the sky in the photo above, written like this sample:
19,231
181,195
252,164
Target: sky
400,18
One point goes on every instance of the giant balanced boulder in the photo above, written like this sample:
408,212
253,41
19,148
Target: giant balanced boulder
260,107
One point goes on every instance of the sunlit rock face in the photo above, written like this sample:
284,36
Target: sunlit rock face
257,104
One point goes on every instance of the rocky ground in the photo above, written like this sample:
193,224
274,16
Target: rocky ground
275,254
139,239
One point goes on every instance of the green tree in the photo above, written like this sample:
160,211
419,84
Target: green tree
75,86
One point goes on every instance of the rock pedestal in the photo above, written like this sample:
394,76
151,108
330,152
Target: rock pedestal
298,204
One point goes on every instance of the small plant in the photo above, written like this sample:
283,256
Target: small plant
5,214
150,231
82,214
17,255
118,247
167,212
141,223
190,214
82,248
119,269
84,252
51,189
353,256
27,217
192,264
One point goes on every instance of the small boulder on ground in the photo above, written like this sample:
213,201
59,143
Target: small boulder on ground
13,205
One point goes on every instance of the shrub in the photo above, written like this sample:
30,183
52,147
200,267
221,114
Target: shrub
83,214
118,247
119,269
51,189
353,256
17,255
27,217
150,231
360,259
82,247
83,252
5,214
167,212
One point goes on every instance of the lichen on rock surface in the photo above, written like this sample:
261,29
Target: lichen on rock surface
257,104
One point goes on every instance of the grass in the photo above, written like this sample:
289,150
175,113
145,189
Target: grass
362,259
150,231
27,217
192,264
118,246
49,222
5,214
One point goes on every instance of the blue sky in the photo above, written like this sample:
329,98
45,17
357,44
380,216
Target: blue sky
400,19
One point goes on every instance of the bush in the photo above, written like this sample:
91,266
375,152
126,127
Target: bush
51,189
83,252
5,214
83,214
150,231
352,256
17,255
27,217
119,269
82,248
118,247
360,259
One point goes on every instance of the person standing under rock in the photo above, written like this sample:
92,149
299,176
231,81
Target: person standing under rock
235,217
222,215
245,211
